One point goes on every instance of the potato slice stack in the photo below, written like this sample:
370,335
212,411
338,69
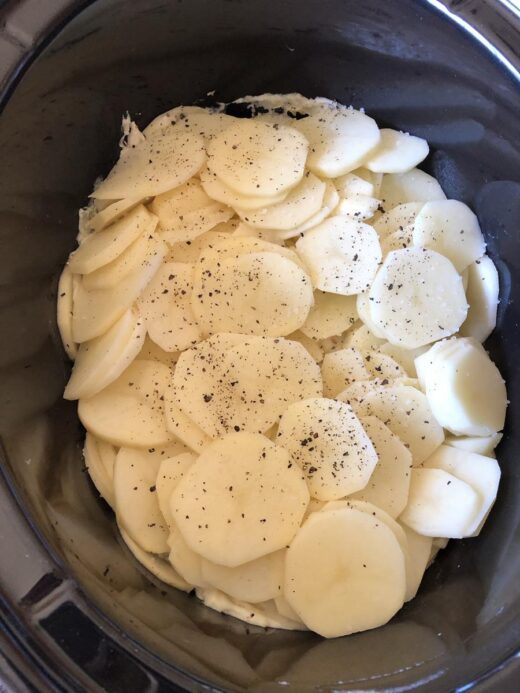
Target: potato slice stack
276,325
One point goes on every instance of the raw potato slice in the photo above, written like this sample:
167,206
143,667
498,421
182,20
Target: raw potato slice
285,609
417,298
418,558
302,202
111,213
397,152
186,212
397,218
330,202
362,339
269,235
185,561
407,413
358,207
340,138
109,276
341,368
65,311
464,388
342,255
152,352
97,470
325,438
190,251
450,228
107,454
390,481
130,411
440,505
258,159
481,446
137,507
254,500
171,471
102,360
480,472
257,293
203,121
404,357
158,567
412,186
164,160
351,184
219,191
182,426
375,179
345,572
96,311
310,345
403,238
383,366
330,315
165,306
363,311
256,581
235,246
482,294
103,247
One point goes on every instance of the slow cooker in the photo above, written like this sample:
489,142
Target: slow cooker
76,612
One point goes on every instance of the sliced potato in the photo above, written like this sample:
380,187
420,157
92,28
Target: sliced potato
383,366
152,352
110,275
341,368
254,500
329,204
482,293
352,184
404,357
417,298
182,426
185,561
361,338
397,152
326,439
418,558
481,445
130,411
102,360
65,311
310,345
97,470
170,472
269,235
363,310
219,191
257,158
450,228
412,186
203,121
342,255
403,238
360,207
111,213
397,218
330,315
190,251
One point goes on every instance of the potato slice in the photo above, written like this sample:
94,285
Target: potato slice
330,315
182,426
482,294
220,192
152,352
363,311
164,160
345,572
359,207
481,445
440,505
269,235
247,385
185,561
110,275
341,368
257,158
325,438
205,122
130,411
264,499
340,138
417,298
102,360
397,218
186,212
418,559
329,204
96,311
480,472
362,339
352,184
450,228
190,251
111,213
402,238
464,388
107,453
342,255
404,357
390,481
407,413
103,247
412,186
65,311
310,345
171,471
165,305
235,246
397,152
136,504
257,293
97,470
383,366
256,581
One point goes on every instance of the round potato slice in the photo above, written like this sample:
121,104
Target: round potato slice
219,191
111,213
352,184
164,160
241,500
397,152
152,352
330,315
102,360
190,251
363,310
310,345
299,205
362,339
397,218
103,247
182,426
390,481
418,559
329,204
359,207
342,255
484,445
417,298
340,369
110,275
383,366
258,158
185,561
206,122
345,572
257,293
450,228
65,311
130,411
171,470
482,294
412,186
136,503
165,305
256,581
326,439
97,470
